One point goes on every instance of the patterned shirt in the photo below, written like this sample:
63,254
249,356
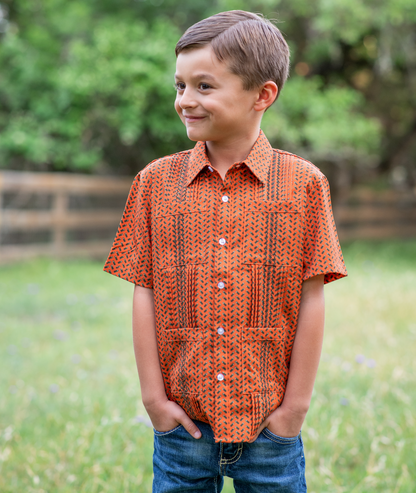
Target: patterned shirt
226,261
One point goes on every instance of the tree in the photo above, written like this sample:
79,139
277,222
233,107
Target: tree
88,85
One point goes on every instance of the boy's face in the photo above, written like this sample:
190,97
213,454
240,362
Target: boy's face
210,99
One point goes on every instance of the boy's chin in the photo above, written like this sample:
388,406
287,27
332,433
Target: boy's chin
195,136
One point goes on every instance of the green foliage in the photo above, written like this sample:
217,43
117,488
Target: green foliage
304,119
72,88
87,86
70,413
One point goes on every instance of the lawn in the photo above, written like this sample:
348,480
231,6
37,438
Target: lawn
71,419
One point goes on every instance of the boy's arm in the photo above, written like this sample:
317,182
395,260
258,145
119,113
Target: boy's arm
288,418
164,414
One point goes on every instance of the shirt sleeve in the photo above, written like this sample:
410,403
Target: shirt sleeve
322,252
131,254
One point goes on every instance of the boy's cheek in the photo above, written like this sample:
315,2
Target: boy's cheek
178,108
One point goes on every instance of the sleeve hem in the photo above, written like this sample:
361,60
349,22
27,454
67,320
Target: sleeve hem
124,275
330,276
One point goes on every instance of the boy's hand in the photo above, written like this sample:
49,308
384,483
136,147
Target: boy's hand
167,415
283,422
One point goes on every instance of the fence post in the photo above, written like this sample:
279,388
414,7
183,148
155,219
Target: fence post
59,228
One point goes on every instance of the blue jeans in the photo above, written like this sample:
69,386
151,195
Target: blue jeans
271,464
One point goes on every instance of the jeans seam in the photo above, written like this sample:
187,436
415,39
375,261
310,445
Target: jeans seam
276,439
163,433
232,461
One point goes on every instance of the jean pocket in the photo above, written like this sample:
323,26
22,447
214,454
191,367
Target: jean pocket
163,433
278,439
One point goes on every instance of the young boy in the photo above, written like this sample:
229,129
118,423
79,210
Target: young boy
229,246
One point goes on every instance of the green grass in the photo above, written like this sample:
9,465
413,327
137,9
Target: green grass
70,411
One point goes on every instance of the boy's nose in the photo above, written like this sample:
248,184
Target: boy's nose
186,100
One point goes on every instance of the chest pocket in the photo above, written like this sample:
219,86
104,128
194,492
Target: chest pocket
180,234
272,233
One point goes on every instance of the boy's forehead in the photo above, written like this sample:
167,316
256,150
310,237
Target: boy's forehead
198,75
200,63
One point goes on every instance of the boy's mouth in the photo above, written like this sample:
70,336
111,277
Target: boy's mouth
193,118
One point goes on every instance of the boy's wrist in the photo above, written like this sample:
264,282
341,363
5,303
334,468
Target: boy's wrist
154,402
299,409
285,421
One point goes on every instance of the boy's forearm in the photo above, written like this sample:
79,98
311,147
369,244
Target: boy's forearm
145,347
307,348
288,418
164,414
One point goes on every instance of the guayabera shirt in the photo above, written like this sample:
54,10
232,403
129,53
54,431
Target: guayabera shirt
226,261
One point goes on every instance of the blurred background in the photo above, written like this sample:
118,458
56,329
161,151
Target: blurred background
86,101
87,87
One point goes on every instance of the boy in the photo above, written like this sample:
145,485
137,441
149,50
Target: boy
229,246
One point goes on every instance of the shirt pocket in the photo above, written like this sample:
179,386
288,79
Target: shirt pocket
263,360
271,231
183,352
179,234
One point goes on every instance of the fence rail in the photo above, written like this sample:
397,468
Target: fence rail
69,229
65,215
369,214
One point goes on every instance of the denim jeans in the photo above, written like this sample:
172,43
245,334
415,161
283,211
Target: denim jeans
271,464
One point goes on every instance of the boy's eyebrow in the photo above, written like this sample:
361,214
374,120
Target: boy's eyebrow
197,76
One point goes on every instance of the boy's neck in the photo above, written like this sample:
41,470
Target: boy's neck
223,155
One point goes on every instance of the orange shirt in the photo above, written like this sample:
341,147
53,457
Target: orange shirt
226,261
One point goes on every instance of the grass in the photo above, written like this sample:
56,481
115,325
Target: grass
70,412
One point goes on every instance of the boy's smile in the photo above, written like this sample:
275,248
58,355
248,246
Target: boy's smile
210,99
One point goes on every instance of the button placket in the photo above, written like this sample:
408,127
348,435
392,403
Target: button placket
222,278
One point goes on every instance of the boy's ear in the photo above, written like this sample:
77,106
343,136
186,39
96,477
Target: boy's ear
267,95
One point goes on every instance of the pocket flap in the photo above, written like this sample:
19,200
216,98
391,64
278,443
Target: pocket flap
184,334
262,333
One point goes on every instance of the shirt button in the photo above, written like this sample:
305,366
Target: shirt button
224,198
221,285
209,167
222,241
220,377
220,331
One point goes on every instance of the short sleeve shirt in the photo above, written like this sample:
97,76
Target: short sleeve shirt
226,260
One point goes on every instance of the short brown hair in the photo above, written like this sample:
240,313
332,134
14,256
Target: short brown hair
253,47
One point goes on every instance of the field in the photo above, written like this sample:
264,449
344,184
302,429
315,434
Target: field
70,413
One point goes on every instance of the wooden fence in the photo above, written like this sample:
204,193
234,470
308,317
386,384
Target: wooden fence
376,215
65,215
58,214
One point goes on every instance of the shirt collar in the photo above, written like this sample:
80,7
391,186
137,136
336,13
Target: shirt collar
258,160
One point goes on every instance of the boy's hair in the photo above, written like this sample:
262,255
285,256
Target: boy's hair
252,46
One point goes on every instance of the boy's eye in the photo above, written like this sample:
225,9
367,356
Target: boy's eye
204,86
179,86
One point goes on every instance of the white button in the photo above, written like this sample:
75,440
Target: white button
221,285
220,331
222,241
224,198
220,377
209,167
